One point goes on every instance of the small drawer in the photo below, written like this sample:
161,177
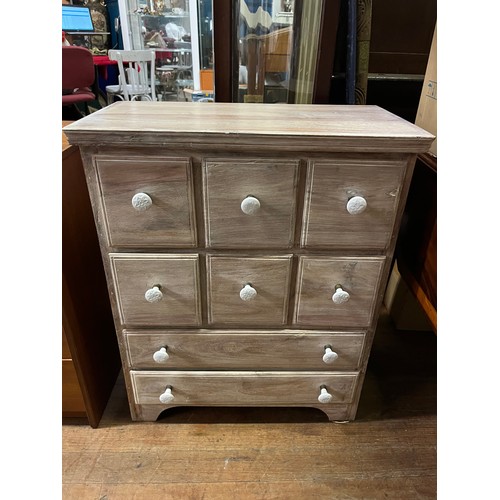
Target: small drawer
351,203
250,203
245,350
157,289
337,292
248,291
242,388
147,201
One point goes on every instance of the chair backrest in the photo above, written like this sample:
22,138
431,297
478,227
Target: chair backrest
77,67
137,72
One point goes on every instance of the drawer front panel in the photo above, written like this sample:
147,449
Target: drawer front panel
245,350
331,184
166,218
271,221
317,280
229,278
176,278
243,388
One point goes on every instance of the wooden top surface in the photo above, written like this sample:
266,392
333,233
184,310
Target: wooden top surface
152,122
67,148
65,143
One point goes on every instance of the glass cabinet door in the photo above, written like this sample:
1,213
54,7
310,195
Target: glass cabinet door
180,32
277,44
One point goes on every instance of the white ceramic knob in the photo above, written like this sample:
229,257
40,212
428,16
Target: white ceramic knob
161,356
340,296
141,201
329,356
167,396
324,396
153,295
250,205
248,293
356,205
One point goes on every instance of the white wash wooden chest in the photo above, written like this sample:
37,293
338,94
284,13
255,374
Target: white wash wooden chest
247,246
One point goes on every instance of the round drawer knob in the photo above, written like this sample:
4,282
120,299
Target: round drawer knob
167,396
153,294
248,292
329,356
324,396
141,201
250,205
161,356
340,296
356,205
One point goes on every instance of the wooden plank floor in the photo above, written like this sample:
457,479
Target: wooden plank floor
389,452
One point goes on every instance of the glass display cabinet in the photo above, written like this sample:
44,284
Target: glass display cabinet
180,31
274,51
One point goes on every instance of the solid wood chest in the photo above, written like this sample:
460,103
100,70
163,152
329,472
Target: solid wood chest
247,246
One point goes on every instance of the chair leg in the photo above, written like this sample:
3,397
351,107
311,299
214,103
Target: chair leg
78,110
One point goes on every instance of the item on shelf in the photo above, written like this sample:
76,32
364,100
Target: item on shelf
178,6
159,6
175,31
155,39
99,14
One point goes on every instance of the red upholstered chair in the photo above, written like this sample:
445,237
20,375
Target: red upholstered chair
78,76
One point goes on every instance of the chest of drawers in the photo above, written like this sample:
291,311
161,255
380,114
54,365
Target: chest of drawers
246,246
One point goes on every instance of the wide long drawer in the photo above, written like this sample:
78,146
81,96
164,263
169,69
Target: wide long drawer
247,350
242,388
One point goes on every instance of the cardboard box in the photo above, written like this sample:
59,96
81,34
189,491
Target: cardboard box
427,108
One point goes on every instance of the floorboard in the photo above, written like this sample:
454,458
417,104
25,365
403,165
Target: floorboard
389,451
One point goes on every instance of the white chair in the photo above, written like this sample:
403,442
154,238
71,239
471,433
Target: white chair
136,79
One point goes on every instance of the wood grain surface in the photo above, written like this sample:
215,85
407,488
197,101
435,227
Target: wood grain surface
330,185
244,350
228,182
305,126
269,276
170,221
178,279
243,387
316,282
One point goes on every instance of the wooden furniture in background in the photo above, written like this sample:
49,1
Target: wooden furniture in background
213,226
417,245
90,356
